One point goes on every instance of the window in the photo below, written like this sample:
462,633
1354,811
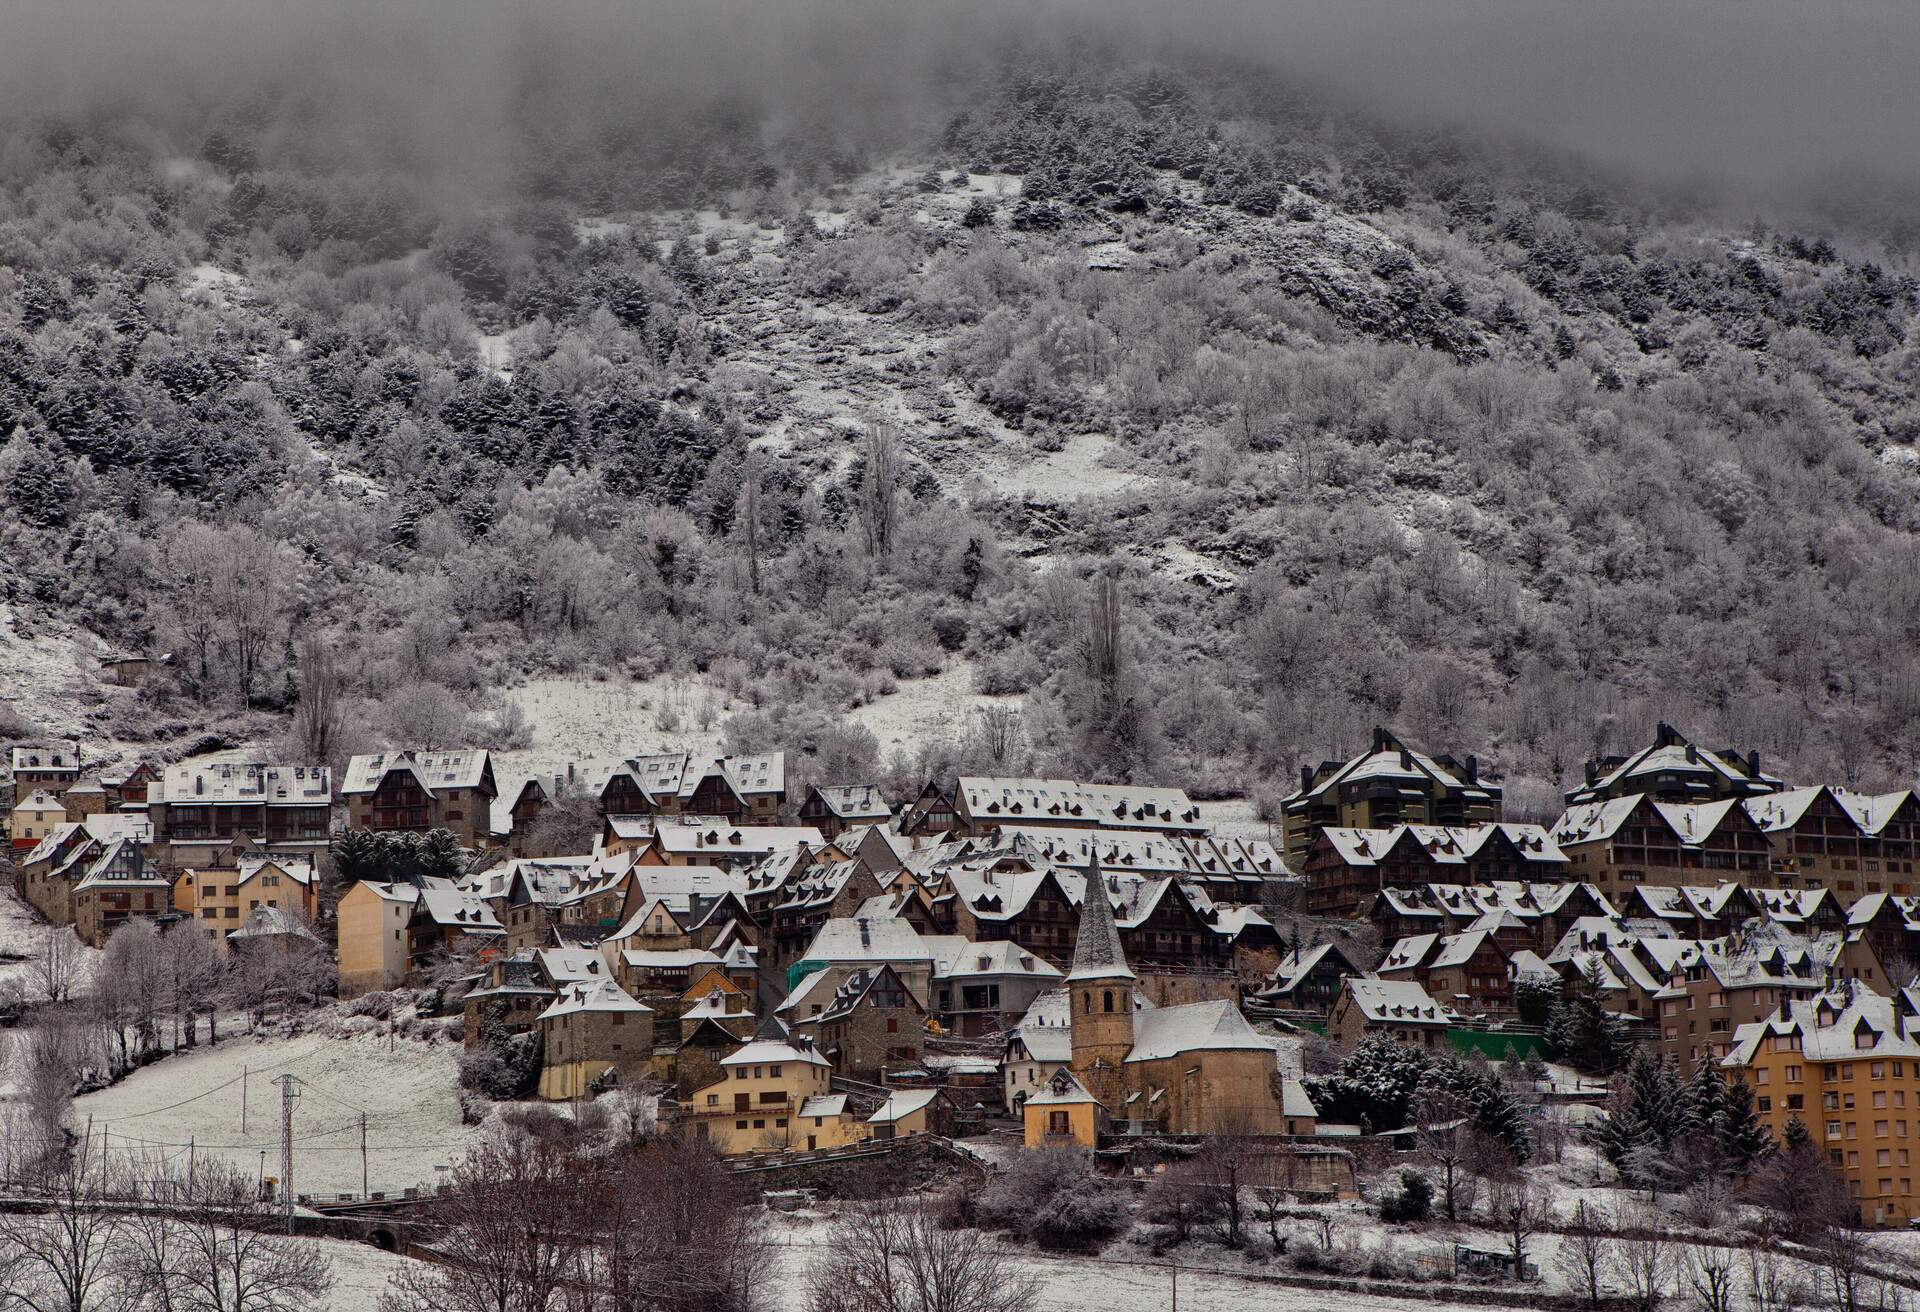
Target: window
773,1072
739,1125
1766,1104
760,1124
893,1025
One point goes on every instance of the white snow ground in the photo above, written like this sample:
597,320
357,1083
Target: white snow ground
408,1093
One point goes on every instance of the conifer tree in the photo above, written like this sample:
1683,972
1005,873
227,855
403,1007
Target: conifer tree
1743,1136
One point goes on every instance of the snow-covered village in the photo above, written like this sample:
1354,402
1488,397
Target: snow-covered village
1017,1033
952,656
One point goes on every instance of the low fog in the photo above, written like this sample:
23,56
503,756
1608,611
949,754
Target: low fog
1767,94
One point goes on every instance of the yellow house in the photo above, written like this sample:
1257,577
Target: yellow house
221,897
35,816
372,922
775,1095
1847,1066
1062,1114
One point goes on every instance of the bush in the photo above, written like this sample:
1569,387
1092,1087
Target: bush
1412,1203
1054,1199
503,1067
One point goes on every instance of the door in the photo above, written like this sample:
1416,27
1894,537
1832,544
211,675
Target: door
742,1102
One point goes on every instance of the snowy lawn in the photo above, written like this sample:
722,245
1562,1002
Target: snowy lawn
21,933
360,1275
408,1093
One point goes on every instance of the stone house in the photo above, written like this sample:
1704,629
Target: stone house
1399,1009
873,1026
1388,785
121,885
44,767
835,808
594,1036
415,791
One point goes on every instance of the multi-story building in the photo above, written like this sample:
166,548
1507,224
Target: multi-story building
873,1026
34,816
372,921
1399,1009
120,885
197,810
985,988
747,790
1622,842
1346,867
44,767
1388,785
835,808
1833,838
594,1036
220,896
775,1094
1674,769
1847,1066
409,791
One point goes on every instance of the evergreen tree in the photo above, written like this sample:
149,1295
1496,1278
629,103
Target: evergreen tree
1582,1031
1743,1136
1499,1116
1703,1108
439,856
1796,1136
1648,1111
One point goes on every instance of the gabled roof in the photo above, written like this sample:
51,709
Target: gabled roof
600,995
571,965
1295,967
853,801
469,767
1832,1027
1397,1002
679,774
721,839
272,922
902,1103
1062,1087
967,960
859,940
771,1044
454,908
859,986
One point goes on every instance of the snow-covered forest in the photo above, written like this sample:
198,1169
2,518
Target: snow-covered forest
1369,425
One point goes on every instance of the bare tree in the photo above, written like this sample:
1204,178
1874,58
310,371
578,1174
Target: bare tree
1771,1283
1444,1137
1708,1272
750,519
250,591
1586,1250
1519,1208
883,1257
57,965
509,1201
319,716
216,1248
880,490
191,970
62,1258
998,728
52,1055
1647,1260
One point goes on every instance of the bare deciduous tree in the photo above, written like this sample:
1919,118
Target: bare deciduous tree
1519,1208
319,716
1444,1138
1646,1258
216,1248
883,1257
62,1258
1708,1273
1586,1250
57,965
880,490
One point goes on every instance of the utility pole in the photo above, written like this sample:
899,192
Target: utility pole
364,1194
1176,1285
287,1097
190,1139
243,1100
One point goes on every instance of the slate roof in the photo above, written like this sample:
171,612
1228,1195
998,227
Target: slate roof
468,767
1097,953
252,782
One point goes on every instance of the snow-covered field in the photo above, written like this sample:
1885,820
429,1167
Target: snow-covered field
408,1093
1111,1283
22,934
360,1275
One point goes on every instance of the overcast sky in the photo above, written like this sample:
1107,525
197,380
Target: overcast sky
1764,90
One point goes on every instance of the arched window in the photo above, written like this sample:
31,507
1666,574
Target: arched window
1109,999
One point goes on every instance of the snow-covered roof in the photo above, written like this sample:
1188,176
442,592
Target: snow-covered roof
668,958
679,774
984,799
1000,957
1840,1026
1397,1002
1062,1087
299,869
1216,1026
902,1103
271,922
599,995
447,905
467,767
248,782
571,965
856,939
40,800
853,801
711,837
824,1105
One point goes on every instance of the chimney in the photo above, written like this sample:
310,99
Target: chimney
1693,754
1406,759
1473,769
1753,764
1306,777
1379,739
1593,772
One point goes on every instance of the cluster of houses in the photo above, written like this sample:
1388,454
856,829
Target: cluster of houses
1671,814
1094,960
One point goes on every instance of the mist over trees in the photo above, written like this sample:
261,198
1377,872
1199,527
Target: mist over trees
1471,441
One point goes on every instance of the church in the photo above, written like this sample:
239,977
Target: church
1198,1068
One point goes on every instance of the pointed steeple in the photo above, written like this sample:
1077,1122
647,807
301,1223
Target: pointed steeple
1097,953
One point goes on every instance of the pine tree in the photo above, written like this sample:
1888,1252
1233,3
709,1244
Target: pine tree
1703,1101
1796,1136
1743,1136
1498,1115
